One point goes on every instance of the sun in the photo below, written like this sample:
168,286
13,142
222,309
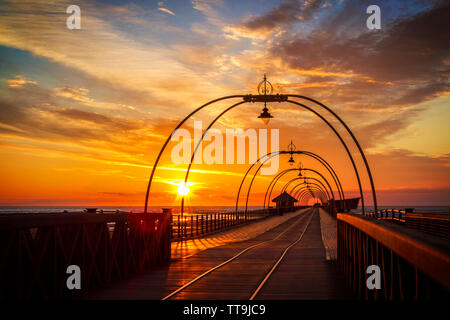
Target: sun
182,189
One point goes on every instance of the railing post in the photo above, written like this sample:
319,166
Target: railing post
196,225
179,227
202,224
192,226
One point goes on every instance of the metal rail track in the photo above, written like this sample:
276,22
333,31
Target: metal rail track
275,265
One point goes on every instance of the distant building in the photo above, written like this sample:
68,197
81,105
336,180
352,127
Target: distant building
284,200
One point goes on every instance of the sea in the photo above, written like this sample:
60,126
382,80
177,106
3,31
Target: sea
191,210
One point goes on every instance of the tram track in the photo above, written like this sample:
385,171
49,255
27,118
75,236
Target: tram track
302,222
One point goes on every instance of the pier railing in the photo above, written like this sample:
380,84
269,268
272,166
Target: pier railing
413,265
191,226
37,249
431,223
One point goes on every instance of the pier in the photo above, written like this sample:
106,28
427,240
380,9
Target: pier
135,256
305,243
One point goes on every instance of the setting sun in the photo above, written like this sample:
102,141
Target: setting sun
182,189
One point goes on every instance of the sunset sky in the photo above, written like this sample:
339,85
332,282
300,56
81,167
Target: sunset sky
83,113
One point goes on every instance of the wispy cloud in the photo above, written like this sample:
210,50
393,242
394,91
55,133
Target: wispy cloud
166,11
20,81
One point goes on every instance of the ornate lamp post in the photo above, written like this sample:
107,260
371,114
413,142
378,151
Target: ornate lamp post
265,88
291,148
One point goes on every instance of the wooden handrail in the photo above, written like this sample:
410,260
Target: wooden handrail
427,253
31,220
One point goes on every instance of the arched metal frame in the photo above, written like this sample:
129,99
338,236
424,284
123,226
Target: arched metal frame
200,142
308,189
277,98
254,176
321,193
275,153
275,180
150,180
302,185
305,196
305,188
294,102
312,186
366,163
309,178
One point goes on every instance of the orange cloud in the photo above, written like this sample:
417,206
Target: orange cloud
20,81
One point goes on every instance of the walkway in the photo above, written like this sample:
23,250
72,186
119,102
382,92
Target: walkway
185,249
304,274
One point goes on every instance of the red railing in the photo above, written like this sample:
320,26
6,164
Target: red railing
431,223
191,226
36,249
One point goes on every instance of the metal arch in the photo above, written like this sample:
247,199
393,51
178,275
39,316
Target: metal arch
291,152
288,183
199,143
298,192
354,140
279,98
249,169
254,176
297,178
318,187
307,153
305,190
321,194
246,99
306,195
170,137
271,182
343,143
326,181
335,178
314,187
209,127
288,170
312,170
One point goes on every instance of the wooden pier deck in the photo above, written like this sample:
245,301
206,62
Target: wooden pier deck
304,273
